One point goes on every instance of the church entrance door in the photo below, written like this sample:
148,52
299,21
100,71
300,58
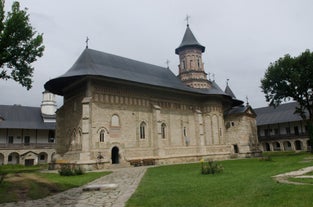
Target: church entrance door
115,155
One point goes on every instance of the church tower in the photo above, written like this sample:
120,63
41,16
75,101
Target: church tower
191,67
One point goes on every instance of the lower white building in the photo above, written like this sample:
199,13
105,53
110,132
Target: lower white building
27,134
280,129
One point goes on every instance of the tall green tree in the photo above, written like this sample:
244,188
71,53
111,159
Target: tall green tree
292,78
20,45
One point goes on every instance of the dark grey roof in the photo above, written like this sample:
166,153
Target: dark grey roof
100,64
228,91
281,114
189,40
22,117
240,110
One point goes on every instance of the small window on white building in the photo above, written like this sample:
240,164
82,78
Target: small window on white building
51,136
26,140
10,139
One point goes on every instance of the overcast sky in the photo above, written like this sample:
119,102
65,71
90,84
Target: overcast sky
242,37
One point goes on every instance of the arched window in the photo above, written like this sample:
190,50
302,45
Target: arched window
142,130
115,121
163,130
185,132
102,135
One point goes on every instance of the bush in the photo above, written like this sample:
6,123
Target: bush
210,167
70,170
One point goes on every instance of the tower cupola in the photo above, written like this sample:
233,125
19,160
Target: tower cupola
48,106
191,67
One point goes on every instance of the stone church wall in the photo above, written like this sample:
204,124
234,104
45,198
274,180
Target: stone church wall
176,128
241,131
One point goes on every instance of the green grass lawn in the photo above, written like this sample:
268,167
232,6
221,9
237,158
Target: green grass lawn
26,183
245,182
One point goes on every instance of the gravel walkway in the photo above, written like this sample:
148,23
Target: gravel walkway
283,178
126,180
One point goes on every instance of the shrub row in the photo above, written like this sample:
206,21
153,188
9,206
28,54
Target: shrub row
70,170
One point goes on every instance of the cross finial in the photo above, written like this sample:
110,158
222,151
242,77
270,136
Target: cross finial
187,19
227,80
209,76
167,63
87,39
213,75
247,100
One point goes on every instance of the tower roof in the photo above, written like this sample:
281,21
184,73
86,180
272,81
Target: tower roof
229,92
189,40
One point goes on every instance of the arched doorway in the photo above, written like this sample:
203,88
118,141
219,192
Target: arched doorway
298,145
276,146
287,146
14,158
115,155
42,158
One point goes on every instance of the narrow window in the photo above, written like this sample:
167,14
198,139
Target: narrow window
26,140
236,149
276,131
287,130
184,64
142,130
296,129
163,126
102,135
185,132
51,136
115,121
10,139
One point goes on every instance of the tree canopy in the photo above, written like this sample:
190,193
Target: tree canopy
20,45
291,78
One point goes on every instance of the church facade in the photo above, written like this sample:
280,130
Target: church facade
118,110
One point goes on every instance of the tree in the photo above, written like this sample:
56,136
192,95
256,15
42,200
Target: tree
292,78
20,45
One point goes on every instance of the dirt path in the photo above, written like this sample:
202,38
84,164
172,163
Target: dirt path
283,178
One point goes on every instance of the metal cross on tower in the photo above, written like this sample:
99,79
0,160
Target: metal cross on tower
87,39
187,19
167,63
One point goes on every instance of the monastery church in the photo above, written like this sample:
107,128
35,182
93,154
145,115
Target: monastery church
121,111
